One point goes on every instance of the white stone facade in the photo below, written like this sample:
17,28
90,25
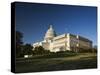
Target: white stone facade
63,42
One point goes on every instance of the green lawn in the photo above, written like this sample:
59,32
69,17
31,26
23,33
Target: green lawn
55,62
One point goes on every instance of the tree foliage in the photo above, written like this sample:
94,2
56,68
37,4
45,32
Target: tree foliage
40,50
27,49
19,37
19,46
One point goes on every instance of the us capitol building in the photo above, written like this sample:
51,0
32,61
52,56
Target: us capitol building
63,42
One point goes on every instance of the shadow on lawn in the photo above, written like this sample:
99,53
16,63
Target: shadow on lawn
39,65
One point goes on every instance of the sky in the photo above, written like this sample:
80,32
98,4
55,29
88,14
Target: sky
33,20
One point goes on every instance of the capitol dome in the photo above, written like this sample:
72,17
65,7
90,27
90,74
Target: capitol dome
50,34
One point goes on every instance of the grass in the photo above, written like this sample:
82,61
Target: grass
53,55
55,62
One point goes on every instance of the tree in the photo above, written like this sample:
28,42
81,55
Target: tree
95,48
27,49
19,46
40,50
19,37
